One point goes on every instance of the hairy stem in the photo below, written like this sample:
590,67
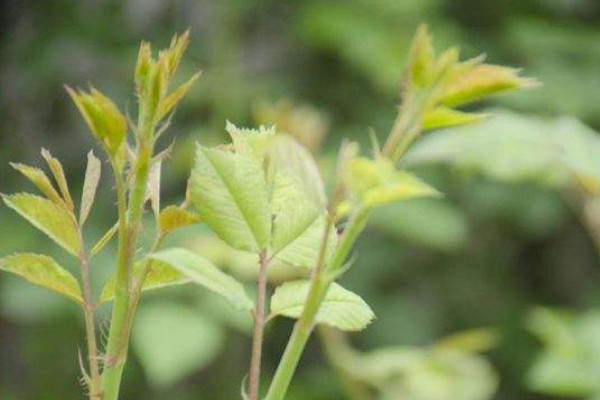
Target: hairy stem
321,280
259,327
90,326
129,227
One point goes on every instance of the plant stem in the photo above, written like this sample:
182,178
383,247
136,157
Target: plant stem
259,327
129,227
407,125
321,280
90,327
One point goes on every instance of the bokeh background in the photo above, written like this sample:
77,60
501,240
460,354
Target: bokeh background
512,234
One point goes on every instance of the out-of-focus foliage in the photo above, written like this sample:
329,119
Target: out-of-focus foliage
570,363
481,255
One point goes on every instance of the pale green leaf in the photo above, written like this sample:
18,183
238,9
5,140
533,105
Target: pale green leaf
443,375
173,217
230,193
295,161
157,275
169,103
40,180
303,250
173,341
482,80
43,271
52,219
444,117
90,184
201,271
376,182
341,308
59,176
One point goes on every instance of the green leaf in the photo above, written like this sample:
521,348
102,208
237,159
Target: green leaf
443,375
303,250
444,117
482,80
296,162
173,341
473,340
422,58
40,180
376,182
173,217
229,191
158,275
293,212
54,220
90,184
169,103
341,308
570,362
201,271
43,271
59,176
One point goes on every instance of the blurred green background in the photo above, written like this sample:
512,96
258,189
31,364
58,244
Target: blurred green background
509,235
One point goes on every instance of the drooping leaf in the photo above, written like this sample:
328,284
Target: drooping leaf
376,182
229,191
157,275
52,219
40,180
201,271
444,117
90,184
173,341
59,176
43,271
173,217
341,308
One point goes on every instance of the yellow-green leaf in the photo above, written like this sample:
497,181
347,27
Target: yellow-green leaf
202,272
59,176
52,219
480,81
108,235
173,217
445,117
40,180
43,271
376,182
229,191
422,58
169,103
103,118
341,308
90,184
157,275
